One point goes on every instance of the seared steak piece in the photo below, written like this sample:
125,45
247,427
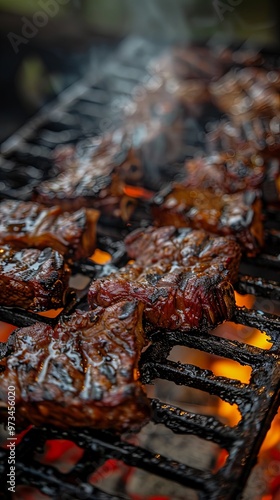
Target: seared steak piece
182,276
237,214
29,224
81,373
225,173
32,279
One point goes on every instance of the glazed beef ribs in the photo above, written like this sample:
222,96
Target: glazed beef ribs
237,214
225,173
183,277
32,279
29,224
81,373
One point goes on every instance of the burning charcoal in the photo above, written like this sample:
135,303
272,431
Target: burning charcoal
237,214
225,173
28,224
32,279
81,373
183,278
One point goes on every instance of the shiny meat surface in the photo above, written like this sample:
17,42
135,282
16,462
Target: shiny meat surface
29,224
225,173
32,279
81,373
183,277
237,214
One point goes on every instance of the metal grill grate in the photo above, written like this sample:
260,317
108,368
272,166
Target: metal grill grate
78,115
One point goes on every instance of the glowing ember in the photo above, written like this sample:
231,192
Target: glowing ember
138,192
244,300
100,257
52,313
5,331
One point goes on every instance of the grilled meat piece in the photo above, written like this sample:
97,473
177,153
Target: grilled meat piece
90,177
182,276
237,214
257,137
225,173
32,279
248,93
29,224
94,174
81,373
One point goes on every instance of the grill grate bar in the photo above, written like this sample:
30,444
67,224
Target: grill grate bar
21,318
185,422
230,390
53,483
109,445
265,322
266,260
258,286
233,349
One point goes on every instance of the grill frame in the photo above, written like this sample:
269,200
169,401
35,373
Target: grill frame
242,444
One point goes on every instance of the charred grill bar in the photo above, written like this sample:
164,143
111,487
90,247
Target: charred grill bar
258,400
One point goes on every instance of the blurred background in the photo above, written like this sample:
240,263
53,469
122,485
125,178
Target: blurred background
46,45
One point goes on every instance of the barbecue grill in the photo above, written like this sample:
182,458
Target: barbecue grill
80,112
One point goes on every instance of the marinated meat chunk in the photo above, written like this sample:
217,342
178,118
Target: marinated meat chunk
225,173
32,279
29,224
81,373
183,277
237,214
